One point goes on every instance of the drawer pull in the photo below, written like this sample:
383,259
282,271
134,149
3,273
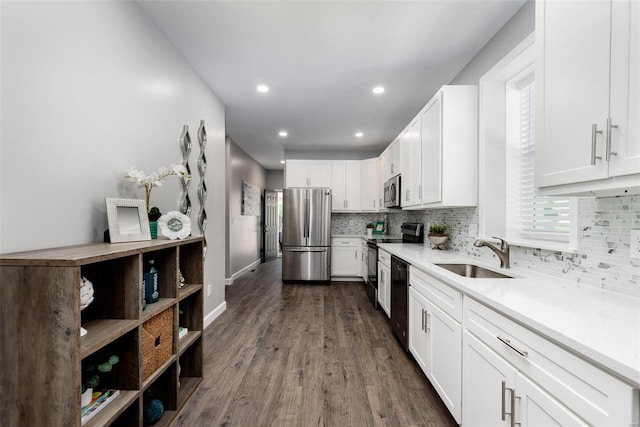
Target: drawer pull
508,344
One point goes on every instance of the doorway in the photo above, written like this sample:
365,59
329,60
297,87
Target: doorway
272,226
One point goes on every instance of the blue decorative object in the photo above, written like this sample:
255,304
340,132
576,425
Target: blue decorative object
152,412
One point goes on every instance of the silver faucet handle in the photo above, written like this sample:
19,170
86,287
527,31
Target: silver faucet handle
503,243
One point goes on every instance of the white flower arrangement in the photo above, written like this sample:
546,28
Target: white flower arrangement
154,179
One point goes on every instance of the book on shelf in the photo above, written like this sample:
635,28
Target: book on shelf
99,401
182,331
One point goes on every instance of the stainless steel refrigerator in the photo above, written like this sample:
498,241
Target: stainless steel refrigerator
306,234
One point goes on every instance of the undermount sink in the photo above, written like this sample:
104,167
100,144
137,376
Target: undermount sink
475,271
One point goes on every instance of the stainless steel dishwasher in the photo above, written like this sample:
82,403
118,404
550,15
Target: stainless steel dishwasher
400,299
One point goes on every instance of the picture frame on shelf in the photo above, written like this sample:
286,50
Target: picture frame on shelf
379,227
128,220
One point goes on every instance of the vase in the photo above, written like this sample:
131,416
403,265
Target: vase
438,240
85,398
153,227
369,233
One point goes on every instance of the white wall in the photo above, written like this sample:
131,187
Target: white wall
510,35
88,89
275,179
245,232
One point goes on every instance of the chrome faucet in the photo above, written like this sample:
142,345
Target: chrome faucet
502,252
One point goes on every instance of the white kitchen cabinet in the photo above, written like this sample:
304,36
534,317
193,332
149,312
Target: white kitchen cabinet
345,257
369,185
382,178
483,375
493,388
437,343
411,141
449,137
391,160
536,408
588,96
384,281
364,259
345,185
307,173
543,383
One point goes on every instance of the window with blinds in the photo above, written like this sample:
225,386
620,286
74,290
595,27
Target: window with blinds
541,217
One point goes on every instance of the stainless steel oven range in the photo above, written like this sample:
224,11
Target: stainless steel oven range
412,232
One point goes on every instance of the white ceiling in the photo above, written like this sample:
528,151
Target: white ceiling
321,59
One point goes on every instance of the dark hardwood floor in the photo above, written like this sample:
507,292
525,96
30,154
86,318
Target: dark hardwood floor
307,355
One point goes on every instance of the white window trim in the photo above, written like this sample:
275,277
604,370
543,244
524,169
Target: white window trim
492,152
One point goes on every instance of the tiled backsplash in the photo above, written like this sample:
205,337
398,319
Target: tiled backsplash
602,259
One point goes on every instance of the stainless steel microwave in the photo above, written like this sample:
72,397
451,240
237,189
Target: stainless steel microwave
392,192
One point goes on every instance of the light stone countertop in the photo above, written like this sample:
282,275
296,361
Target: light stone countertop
599,325
364,236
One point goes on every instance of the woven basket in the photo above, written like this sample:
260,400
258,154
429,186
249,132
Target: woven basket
157,342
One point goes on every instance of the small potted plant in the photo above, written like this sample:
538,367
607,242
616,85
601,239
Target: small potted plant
91,377
438,235
370,227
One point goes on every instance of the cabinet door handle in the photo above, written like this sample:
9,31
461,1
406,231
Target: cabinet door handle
594,140
513,404
610,153
513,408
422,327
426,321
504,392
374,203
507,342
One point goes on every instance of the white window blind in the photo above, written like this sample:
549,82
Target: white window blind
541,217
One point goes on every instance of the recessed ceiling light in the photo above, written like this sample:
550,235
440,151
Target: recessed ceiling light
262,88
359,134
283,133
282,161
377,90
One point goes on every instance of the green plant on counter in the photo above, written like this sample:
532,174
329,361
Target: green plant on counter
437,229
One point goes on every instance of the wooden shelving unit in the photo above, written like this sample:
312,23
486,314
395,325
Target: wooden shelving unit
40,345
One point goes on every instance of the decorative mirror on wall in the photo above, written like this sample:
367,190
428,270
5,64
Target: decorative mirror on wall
202,188
185,147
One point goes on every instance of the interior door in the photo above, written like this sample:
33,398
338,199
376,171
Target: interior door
270,225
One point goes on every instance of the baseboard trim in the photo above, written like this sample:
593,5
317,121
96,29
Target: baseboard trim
213,315
234,276
346,279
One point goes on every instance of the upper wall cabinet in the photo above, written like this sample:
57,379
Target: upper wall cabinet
307,173
588,96
440,153
345,185
391,160
411,141
369,185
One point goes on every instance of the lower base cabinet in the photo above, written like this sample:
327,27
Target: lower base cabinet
345,257
496,394
513,376
434,341
384,288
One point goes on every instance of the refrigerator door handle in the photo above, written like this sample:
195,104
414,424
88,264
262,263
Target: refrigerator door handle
306,218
